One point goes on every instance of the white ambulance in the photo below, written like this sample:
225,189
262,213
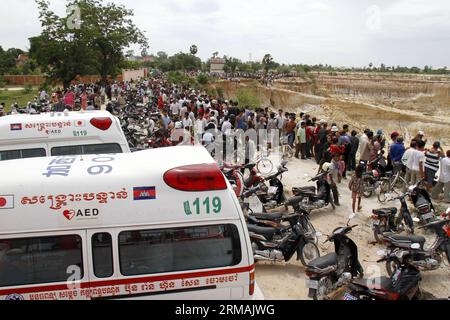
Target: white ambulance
58,134
158,224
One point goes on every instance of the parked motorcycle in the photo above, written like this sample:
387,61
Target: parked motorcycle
279,219
268,246
331,271
422,202
421,258
275,195
270,197
392,220
402,285
371,178
312,198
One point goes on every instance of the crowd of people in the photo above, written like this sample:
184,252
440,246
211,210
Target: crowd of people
325,142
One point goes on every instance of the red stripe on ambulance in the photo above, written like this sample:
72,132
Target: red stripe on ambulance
107,283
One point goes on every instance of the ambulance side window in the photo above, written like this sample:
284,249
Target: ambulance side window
106,148
66,151
178,249
102,255
22,154
38,260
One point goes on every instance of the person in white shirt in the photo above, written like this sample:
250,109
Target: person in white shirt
174,108
43,95
199,129
151,126
444,179
226,126
415,164
187,122
183,110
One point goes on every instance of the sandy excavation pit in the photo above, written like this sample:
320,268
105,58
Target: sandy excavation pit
390,102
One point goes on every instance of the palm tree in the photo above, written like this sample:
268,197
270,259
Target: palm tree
194,49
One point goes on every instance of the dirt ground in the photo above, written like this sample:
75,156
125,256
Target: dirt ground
287,280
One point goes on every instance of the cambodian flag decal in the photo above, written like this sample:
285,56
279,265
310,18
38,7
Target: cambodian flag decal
16,127
144,193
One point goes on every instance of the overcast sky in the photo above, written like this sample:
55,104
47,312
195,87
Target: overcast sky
337,32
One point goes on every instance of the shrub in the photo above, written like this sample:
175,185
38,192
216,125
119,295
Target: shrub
202,79
246,98
28,88
220,93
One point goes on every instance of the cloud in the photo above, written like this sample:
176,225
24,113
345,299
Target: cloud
345,32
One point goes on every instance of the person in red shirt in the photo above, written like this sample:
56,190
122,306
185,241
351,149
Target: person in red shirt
309,139
160,103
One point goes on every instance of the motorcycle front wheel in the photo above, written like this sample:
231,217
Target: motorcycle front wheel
384,188
367,193
378,233
325,287
392,266
308,253
309,229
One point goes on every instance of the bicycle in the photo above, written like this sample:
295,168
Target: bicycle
389,185
288,151
263,164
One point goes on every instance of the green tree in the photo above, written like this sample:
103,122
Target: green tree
8,59
231,64
98,43
268,62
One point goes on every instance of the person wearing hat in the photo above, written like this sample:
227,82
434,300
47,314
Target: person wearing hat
431,166
334,129
420,137
381,139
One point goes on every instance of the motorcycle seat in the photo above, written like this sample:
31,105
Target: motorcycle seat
325,261
385,211
308,193
303,190
396,239
268,216
268,233
381,283
310,188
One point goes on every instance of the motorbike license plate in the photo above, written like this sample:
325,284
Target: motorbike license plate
348,297
273,190
312,284
427,216
376,222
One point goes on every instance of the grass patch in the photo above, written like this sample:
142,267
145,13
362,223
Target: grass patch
22,97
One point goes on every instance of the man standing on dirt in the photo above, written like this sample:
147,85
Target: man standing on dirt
301,141
334,178
321,141
431,165
354,146
444,180
415,164
396,152
290,130
366,147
